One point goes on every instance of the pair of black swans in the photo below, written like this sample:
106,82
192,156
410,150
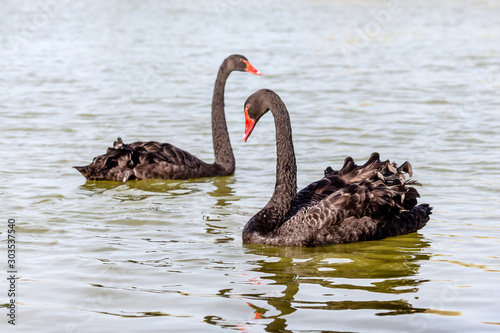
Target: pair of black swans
356,203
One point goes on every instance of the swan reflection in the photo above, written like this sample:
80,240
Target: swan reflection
379,276
224,194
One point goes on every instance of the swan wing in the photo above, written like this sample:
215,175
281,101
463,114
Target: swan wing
144,160
383,174
356,203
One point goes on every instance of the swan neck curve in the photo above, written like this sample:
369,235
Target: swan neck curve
220,137
274,212
285,188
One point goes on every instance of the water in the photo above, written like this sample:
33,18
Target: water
413,81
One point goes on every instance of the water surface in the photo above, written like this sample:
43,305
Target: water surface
413,81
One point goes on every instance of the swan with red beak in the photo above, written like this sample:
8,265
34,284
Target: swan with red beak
356,203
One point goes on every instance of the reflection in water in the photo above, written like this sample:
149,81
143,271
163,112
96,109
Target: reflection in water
137,190
116,190
385,267
173,187
224,194
224,191
99,187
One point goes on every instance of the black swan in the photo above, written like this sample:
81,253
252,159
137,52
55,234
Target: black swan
146,160
356,203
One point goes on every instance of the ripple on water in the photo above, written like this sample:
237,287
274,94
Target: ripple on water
154,254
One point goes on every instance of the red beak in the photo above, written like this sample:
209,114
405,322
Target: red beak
251,69
249,124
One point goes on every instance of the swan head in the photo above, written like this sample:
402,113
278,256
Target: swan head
249,124
238,62
255,107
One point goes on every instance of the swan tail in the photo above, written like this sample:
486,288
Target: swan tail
116,164
378,189
84,170
407,222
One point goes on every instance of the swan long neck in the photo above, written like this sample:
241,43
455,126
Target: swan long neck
220,137
285,188
273,214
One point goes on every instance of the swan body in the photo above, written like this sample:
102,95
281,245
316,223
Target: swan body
146,160
356,203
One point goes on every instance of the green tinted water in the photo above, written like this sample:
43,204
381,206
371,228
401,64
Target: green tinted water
421,85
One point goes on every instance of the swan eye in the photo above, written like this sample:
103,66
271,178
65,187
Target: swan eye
247,107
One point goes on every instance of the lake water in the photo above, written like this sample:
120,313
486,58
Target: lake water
416,81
